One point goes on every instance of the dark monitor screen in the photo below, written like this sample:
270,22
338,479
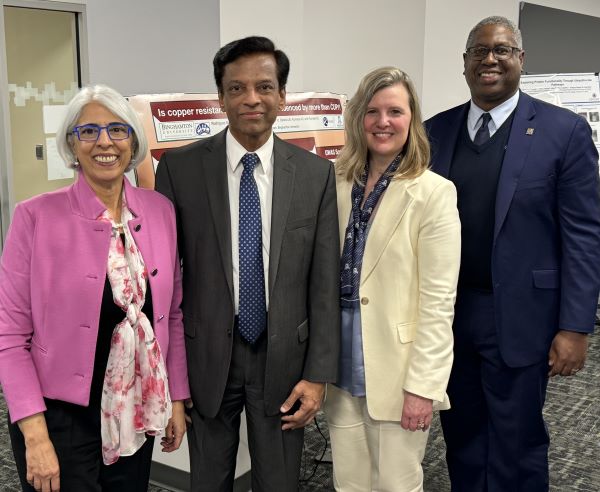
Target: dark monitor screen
557,41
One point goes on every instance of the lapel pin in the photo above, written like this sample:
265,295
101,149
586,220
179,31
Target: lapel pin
529,131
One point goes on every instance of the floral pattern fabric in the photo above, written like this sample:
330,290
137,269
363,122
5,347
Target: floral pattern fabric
135,397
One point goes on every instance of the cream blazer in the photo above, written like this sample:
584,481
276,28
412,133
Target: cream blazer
407,291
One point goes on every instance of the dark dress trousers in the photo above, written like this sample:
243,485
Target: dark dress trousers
545,276
302,336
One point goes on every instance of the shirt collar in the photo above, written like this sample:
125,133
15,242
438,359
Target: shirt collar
235,152
499,114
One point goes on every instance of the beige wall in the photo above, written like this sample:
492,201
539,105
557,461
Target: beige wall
332,44
167,45
343,40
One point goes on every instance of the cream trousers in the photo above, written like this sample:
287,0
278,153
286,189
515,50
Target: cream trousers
371,455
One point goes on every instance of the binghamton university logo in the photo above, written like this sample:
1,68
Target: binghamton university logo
202,129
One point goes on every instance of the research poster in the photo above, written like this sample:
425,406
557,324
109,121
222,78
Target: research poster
579,92
311,120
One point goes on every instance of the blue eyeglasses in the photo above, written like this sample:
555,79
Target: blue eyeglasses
91,132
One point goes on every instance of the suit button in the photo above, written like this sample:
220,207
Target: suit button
364,301
154,272
229,332
137,228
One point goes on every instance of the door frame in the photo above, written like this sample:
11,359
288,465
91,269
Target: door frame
7,203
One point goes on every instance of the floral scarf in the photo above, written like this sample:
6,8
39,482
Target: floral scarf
135,396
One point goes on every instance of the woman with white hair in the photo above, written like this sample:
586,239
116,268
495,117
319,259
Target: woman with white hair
92,358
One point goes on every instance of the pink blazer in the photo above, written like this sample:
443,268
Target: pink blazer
52,276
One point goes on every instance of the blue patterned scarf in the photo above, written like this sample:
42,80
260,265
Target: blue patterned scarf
356,233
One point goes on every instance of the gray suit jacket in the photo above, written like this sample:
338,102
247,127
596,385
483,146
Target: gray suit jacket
303,319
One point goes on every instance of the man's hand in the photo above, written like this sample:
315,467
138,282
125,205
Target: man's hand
310,396
567,353
416,412
175,429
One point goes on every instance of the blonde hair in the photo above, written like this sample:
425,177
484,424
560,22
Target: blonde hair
353,157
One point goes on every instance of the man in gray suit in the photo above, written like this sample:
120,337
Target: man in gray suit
257,225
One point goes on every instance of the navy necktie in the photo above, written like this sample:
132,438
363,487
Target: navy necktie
252,307
483,134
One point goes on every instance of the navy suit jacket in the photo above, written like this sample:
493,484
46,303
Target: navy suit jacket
546,248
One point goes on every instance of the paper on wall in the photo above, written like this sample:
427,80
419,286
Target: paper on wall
56,166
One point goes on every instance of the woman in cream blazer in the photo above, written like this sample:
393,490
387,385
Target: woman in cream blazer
400,232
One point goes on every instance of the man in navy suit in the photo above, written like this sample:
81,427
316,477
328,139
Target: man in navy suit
526,174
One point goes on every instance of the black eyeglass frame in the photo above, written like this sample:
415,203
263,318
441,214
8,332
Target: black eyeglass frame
77,129
470,54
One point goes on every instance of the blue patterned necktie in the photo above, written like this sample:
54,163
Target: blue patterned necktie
483,134
252,308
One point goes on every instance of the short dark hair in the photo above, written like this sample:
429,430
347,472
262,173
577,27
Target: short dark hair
250,46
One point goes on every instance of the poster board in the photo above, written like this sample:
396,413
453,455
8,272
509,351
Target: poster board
311,120
579,92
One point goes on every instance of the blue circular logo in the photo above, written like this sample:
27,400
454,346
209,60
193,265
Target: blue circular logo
202,129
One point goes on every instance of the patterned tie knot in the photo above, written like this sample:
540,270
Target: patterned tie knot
249,161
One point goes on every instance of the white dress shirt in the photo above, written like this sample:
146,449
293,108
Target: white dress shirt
263,175
499,115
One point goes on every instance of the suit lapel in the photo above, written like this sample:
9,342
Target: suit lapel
392,206
283,187
519,143
136,225
443,147
215,177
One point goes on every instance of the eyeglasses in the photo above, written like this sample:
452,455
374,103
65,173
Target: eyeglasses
91,132
500,52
